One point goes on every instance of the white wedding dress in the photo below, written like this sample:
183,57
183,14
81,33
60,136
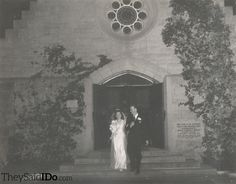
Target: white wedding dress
118,146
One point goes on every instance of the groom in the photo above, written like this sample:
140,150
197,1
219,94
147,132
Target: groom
135,139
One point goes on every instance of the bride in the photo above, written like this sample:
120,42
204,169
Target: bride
118,139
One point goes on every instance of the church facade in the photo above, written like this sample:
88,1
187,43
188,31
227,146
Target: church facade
144,71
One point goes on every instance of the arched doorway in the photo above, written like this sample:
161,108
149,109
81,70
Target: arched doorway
120,92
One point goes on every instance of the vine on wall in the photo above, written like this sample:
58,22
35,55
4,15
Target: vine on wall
201,39
45,126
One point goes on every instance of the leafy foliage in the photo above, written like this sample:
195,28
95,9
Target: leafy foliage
45,127
201,40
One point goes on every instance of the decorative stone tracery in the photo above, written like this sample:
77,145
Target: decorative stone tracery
127,16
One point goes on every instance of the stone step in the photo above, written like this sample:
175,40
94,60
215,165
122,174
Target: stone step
27,14
200,174
11,35
19,24
106,167
144,160
33,5
145,153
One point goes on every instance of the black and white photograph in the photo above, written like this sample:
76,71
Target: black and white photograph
117,91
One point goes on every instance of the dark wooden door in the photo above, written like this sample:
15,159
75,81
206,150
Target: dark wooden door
156,116
101,117
149,101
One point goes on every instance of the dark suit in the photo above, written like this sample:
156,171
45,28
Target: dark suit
135,140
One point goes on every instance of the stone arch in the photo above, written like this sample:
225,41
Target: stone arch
141,75
141,68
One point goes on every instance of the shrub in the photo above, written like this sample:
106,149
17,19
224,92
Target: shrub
201,40
45,127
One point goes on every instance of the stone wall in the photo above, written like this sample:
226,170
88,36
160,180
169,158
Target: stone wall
81,26
183,130
77,25
15,95
6,114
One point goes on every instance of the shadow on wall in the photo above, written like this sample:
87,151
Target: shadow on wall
3,148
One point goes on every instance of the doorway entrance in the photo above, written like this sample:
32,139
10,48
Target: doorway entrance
121,92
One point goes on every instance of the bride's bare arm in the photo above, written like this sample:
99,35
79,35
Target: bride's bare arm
125,118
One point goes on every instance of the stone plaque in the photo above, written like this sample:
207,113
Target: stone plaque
189,130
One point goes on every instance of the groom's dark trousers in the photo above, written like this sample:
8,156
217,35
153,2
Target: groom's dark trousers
135,140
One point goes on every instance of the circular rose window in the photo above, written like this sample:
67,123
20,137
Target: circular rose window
127,16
